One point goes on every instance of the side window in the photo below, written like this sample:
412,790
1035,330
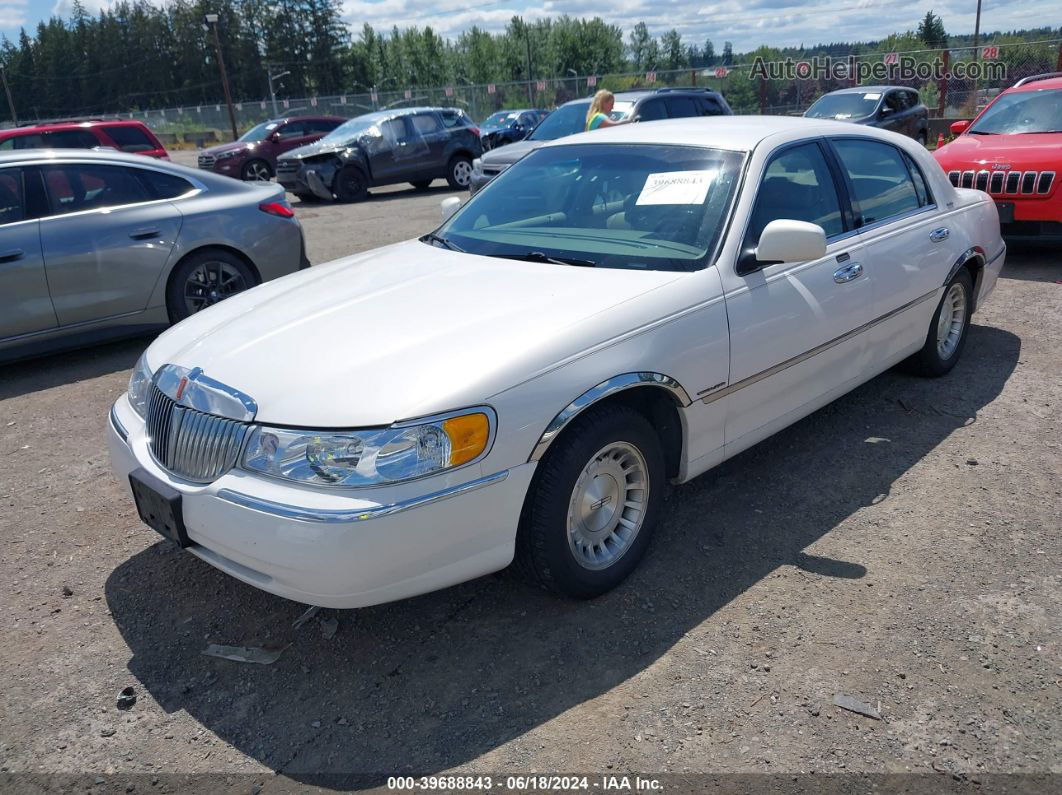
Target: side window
796,186
894,100
451,119
681,107
130,139
73,187
12,197
393,131
426,123
913,100
707,106
293,129
314,126
165,186
7,144
70,139
34,141
921,188
652,110
881,184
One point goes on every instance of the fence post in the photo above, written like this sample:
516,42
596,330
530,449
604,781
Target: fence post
942,98
693,75
1058,66
763,95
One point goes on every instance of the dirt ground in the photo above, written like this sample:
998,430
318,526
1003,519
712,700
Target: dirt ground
901,546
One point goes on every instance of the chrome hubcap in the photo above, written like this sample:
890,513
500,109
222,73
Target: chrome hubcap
608,505
951,321
462,173
210,283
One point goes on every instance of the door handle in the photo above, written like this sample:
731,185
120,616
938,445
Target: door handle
847,273
144,234
937,235
12,255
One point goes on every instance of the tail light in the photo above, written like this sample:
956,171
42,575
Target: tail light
279,209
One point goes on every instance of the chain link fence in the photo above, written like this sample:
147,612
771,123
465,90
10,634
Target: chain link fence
952,83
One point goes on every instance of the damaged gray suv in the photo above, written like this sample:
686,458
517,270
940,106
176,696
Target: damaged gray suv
415,145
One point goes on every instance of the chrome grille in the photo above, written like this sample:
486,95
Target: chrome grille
981,181
1000,183
287,166
206,161
189,443
954,177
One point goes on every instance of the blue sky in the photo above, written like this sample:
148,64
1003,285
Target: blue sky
747,23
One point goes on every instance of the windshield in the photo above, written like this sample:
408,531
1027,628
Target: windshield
845,106
500,118
637,206
260,131
349,130
571,119
1022,112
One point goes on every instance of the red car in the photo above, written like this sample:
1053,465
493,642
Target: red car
1012,150
254,155
125,136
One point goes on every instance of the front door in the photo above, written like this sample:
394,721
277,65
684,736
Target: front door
25,306
105,241
794,327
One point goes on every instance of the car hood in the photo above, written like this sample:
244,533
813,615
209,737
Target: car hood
404,331
234,146
320,147
1029,151
507,155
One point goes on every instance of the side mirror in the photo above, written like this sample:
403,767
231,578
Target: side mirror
783,240
274,136
885,111
449,206
959,127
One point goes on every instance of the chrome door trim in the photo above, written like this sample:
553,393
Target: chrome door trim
801,357
591,396
345,515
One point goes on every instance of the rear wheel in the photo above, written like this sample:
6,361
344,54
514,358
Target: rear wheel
593,504
459,172
351,184
204,279
421,184
256,171
947,331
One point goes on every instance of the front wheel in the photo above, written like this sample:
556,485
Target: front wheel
947,331
459,172
256,171
593,504
351,184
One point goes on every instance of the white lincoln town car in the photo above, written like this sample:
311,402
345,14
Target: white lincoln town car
620,310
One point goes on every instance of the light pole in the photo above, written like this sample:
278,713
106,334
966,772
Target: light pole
211,21
272,92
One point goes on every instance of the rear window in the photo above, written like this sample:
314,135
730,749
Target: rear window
165,186
59,139
130,139
455,118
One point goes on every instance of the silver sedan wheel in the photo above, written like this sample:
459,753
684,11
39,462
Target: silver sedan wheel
462,173
608,505
211,282
258,171
951,321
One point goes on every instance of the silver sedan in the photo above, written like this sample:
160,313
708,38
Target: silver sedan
96,245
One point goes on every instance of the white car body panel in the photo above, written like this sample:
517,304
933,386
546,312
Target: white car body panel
413,330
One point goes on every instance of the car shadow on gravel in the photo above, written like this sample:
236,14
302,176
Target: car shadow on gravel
45,372
1033,262
422,685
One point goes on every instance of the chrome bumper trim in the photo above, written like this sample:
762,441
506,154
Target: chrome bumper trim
118,427
343,516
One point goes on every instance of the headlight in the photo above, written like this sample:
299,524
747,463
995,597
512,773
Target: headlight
140,386
369,457
477,166
228,154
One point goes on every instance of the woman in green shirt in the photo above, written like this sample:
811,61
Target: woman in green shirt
600,107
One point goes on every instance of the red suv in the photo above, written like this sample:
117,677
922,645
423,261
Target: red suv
254,155
125,136
1012,151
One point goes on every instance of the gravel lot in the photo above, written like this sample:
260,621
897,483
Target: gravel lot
900,546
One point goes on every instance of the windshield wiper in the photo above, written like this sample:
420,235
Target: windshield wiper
538,256
431,237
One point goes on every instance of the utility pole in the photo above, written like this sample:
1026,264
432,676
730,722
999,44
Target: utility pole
212,22
10,102
272,92
527,40
977,30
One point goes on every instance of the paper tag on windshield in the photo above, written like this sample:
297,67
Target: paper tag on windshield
676,187
872,96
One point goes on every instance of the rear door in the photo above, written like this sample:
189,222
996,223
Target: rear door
25,306
894,118
105,239
430,150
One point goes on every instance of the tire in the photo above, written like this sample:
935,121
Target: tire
459,172
422,184
562,524
305,197
192,285
946,339
256,171
351,184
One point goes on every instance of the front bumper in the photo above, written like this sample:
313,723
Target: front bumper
346,550
480,179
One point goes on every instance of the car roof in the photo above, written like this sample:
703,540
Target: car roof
734,133
635,94
1043,84
102,155
863,89
63,126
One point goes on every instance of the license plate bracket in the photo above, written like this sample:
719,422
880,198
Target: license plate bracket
1006,212
159,506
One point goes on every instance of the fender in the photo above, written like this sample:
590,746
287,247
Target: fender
603,390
